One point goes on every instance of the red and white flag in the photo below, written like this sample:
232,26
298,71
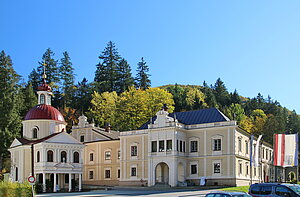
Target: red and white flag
286,150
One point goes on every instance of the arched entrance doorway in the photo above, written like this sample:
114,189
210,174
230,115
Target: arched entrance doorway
162,173
181,176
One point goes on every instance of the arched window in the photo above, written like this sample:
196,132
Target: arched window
50,156
76,157
34,132
63,156
38,156
42,99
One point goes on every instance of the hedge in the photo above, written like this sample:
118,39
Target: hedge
10,189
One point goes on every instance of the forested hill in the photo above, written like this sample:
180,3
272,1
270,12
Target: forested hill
124,101
256,115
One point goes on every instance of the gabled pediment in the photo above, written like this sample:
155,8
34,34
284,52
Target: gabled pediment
15,143
63,138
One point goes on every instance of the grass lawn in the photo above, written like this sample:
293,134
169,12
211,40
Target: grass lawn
240,189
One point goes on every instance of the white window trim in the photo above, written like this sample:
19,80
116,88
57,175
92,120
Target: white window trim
247,142
107,160
240,148
105,174
213,164
137,151
190,143
89,157
134,177
89,170
240,172
118,150
117,174
190,171
216,137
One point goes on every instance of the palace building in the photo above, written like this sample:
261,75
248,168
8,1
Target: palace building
176,149
46,151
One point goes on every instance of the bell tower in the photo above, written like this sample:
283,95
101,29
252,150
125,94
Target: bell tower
44,92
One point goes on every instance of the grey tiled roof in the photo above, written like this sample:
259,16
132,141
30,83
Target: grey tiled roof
195,117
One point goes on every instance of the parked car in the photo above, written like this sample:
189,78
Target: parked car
274,190
227,194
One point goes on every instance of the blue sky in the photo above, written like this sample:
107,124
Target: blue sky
253,46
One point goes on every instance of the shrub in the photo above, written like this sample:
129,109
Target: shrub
10,189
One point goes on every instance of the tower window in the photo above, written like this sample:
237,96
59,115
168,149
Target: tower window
76,157
38,156
42,99
50,156
34,132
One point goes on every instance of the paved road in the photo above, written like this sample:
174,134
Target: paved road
133,192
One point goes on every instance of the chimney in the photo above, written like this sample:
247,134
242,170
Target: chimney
107,127
165,107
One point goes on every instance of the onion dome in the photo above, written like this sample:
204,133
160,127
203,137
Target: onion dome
46,112
44,87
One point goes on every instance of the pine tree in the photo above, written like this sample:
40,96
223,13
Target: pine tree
10,105
67,77
142,77
235,98
51,69
83,96
210,98
124,79
34,79
106,74
52,73
221,93
29,99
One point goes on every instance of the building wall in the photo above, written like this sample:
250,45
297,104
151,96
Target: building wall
128,161
45,128
100,164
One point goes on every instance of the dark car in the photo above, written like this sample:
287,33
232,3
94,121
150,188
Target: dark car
227,194
274,190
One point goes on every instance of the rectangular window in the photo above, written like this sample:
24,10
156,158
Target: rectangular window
133,150
263,153
91,174
180,146
267,153
133,171
254,169
82,138
169,145
194,146
247,147
119,173
154,146
107,174
240,145
217,168
247,169
107,155
217,145
194,169
91,157
161,146
119,154
177,145
184,146
240,168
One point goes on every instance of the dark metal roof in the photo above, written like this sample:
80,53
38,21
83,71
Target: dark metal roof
195,117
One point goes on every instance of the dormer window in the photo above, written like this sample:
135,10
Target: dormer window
34,132
42,99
